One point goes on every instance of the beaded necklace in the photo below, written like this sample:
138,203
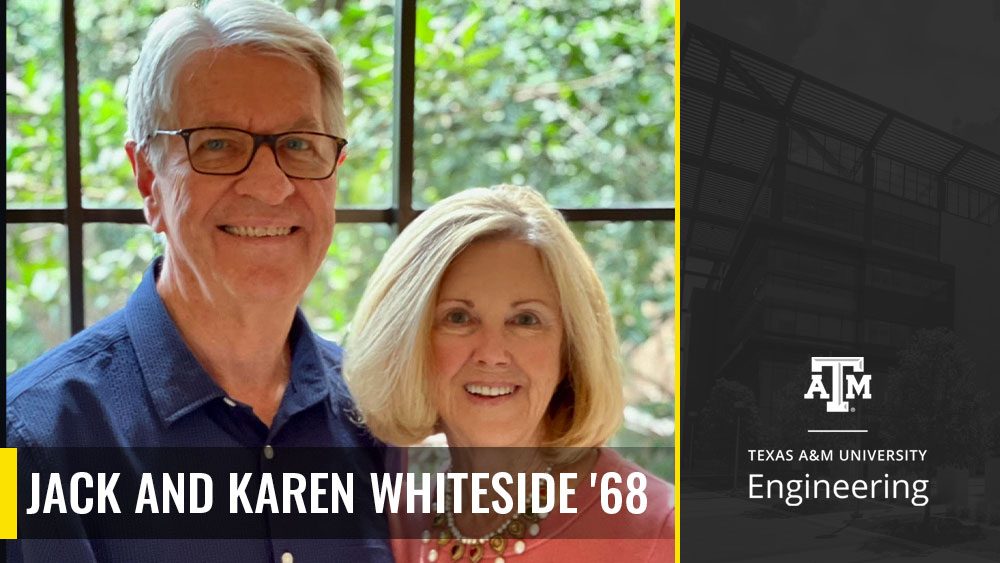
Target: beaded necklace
451,541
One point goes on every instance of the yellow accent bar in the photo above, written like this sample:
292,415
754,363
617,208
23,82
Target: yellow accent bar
8,493
677,282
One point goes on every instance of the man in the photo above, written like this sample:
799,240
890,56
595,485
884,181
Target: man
236,129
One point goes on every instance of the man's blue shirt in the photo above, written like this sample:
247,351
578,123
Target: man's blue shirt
131,381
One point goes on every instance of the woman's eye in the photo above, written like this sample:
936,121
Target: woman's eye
526,319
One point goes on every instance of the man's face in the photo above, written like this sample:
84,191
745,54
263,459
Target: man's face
258,235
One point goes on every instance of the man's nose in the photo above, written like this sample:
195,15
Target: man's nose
492,348
264,180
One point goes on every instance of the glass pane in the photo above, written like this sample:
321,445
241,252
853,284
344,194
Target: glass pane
35,151
114,259
108,40
635,261
362,36
333,296
110,36
37,291
573,98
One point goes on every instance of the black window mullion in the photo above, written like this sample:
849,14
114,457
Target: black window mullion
74,189
113,215
404,38
35,215
618,214
344,215
401,212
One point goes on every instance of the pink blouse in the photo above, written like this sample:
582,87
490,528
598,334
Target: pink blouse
619,537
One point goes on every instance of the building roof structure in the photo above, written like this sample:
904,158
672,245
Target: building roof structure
735,101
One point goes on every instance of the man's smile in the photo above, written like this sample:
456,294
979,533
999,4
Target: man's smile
242,231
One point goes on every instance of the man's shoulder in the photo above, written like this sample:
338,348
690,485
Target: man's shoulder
77,372
82,355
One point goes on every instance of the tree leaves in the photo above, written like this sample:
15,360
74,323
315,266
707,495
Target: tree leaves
575,99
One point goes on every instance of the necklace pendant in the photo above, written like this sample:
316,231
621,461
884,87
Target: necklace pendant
457,550
516,528
498,544
476,552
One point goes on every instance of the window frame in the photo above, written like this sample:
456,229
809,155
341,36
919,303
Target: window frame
398,214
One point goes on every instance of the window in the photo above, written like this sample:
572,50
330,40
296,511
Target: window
836,157
575,100
819,209
911,283
885,333
904,225
808,324
804,264
972,203
790,291
905,181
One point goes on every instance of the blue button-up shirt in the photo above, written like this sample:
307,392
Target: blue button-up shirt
130,380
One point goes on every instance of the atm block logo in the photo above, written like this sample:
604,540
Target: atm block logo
843,385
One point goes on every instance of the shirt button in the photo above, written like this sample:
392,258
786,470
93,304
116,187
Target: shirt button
229,401
269,454
286,557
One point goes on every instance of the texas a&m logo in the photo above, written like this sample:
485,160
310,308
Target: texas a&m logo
843,385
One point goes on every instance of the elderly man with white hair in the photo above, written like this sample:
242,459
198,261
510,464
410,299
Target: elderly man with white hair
236,132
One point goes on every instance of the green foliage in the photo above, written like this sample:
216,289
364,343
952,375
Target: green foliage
575,99
330,300
116,258
37,291
631,259
35,171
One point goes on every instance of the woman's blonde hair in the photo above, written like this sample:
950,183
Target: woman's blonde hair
387,359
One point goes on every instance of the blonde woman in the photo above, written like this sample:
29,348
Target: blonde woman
486,321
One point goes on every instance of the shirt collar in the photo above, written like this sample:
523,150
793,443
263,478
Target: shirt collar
177,382
311,380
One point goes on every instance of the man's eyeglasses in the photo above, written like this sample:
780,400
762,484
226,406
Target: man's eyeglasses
226,151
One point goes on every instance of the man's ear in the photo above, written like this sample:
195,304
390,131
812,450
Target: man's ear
144,178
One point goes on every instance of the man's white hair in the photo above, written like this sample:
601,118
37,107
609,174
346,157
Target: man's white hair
182,33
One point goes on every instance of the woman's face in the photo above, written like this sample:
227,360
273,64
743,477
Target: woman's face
496,345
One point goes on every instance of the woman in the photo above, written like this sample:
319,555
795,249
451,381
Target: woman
486,320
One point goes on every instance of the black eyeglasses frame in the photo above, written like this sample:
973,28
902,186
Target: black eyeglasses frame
258,140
